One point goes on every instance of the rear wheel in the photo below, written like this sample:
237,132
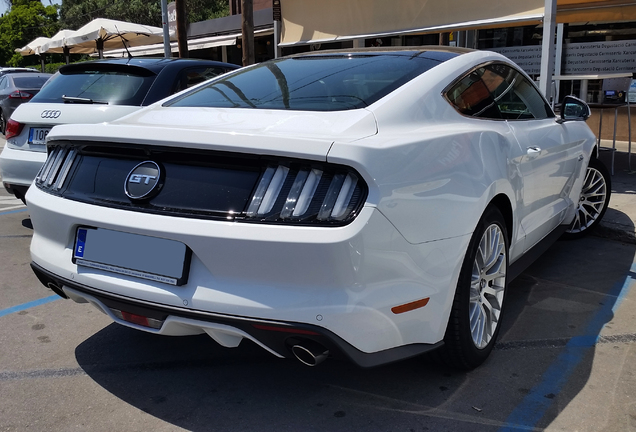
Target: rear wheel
479,299
593,201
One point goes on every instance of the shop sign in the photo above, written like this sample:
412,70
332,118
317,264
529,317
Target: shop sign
579,58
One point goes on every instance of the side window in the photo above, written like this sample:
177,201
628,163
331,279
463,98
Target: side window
3,83
497,91
192,76
516,97
472,96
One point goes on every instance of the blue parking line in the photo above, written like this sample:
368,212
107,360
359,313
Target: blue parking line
29,305
534,406
13,211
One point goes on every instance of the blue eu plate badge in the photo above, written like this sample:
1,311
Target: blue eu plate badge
80,245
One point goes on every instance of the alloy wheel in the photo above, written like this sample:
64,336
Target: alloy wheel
488,282
592,201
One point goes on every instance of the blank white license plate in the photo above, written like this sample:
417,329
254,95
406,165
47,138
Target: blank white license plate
152,258
38,135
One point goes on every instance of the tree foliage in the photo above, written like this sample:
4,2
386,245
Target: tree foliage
25,21
76,13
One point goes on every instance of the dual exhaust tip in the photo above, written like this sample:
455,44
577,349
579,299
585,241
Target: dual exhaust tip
309,352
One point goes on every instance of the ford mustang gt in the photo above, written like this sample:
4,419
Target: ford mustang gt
370,205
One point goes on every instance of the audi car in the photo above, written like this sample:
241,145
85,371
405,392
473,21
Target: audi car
90,92
369,205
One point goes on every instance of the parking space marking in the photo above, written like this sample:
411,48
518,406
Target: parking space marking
29,305
534,406
2,213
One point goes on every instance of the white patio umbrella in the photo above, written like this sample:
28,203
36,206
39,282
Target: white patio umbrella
102,33
33,47
57,44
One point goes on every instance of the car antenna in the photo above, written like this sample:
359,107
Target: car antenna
124,41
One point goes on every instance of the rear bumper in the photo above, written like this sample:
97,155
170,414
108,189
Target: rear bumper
274,336
346,282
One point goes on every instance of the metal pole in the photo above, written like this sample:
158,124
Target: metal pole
278,17
167,52
276,39
548,48
558,61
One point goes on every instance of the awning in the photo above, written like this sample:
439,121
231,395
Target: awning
193,44
593,11
310,21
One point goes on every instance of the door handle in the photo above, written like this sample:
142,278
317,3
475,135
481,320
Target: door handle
533,150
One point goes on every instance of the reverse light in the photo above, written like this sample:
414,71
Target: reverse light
308,194
13,129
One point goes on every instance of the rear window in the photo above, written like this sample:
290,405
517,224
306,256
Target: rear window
99,86
314,83
29,82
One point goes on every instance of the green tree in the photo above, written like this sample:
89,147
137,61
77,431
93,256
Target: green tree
25,21
75,13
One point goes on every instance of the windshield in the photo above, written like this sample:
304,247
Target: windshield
314,83
98,86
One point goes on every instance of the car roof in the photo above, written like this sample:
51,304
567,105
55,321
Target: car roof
152,64
12,70
30,75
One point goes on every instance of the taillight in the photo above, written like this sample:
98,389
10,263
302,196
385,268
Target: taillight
13,129
20,95
307,194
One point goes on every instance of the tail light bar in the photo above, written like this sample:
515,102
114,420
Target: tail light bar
20,95
306,194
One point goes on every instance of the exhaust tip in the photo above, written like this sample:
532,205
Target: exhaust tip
56,289
310,353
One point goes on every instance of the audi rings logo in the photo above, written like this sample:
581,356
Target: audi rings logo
143,181
51,114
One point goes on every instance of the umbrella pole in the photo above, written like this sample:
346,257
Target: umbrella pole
67,54
42,62
100,47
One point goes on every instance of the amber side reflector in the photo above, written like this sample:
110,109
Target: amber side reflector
410,306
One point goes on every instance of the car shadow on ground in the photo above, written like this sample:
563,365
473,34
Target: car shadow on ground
195,384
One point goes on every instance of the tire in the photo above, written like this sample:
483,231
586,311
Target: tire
593,201
477,308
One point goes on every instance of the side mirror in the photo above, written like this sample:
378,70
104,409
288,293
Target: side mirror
574,108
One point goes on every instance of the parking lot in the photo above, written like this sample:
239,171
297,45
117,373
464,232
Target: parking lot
565,361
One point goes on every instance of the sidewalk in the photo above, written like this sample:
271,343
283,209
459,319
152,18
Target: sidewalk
620,219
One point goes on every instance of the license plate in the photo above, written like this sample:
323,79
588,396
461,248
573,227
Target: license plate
38,135
152,258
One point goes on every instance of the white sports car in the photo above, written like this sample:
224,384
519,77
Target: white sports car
370,205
